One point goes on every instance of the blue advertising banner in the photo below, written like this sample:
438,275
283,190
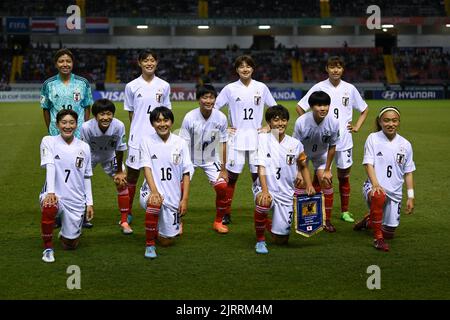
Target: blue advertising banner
17,25
407,94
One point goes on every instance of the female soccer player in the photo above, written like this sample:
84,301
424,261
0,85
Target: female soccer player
344,99
67,189
167,164
388,161
205,131
318,131
106,137
279,159
142,95
246,99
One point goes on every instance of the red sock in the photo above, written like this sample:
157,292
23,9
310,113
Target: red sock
376,213
344,191
131,192
221,199
123,199
260,215
151,224
316,184
328,194
230,192
48,224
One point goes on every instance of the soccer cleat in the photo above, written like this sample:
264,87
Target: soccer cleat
226,219
261,247
126,228
329,227
362,224
379,244
220,227
48,255
347,217
150,252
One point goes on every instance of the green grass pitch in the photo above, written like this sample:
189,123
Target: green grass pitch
206,265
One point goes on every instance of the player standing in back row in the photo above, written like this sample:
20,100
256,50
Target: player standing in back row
246,99
142,96
344,98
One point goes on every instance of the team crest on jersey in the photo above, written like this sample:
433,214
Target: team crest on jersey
290,159
176,157
79,162
345,100
257,98
159,96
326,137
401,156
76,95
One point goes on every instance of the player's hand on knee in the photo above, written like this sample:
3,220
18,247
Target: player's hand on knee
182,208
89,213
50,200
120,179
155,199
264,199
327,178
310,190
377,189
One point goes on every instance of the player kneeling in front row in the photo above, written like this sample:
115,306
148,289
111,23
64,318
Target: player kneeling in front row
106,138
166,162
279,157
388,160
67,189
205,131
318,131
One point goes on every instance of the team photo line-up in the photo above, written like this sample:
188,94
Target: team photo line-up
220,146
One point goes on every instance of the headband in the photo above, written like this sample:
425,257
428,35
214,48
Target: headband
388,109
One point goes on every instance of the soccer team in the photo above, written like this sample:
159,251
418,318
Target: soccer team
220,147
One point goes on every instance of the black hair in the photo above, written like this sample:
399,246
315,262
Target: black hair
319,98
277,111
335,61
245,58
102,105
377,119
146,53
164,111
62,52
64,112
205,89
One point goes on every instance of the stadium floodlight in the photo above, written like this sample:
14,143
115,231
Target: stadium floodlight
264,27
141,26
448,25
203,27
326,26
387,26
384,30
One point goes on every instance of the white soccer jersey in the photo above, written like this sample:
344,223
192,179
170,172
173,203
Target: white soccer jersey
104,145
72,164
391,160
280,163
344,98
316,138
204,135
141,98
168,161
245,110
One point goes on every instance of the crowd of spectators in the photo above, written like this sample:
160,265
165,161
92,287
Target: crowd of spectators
413,65
422,65
223,9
